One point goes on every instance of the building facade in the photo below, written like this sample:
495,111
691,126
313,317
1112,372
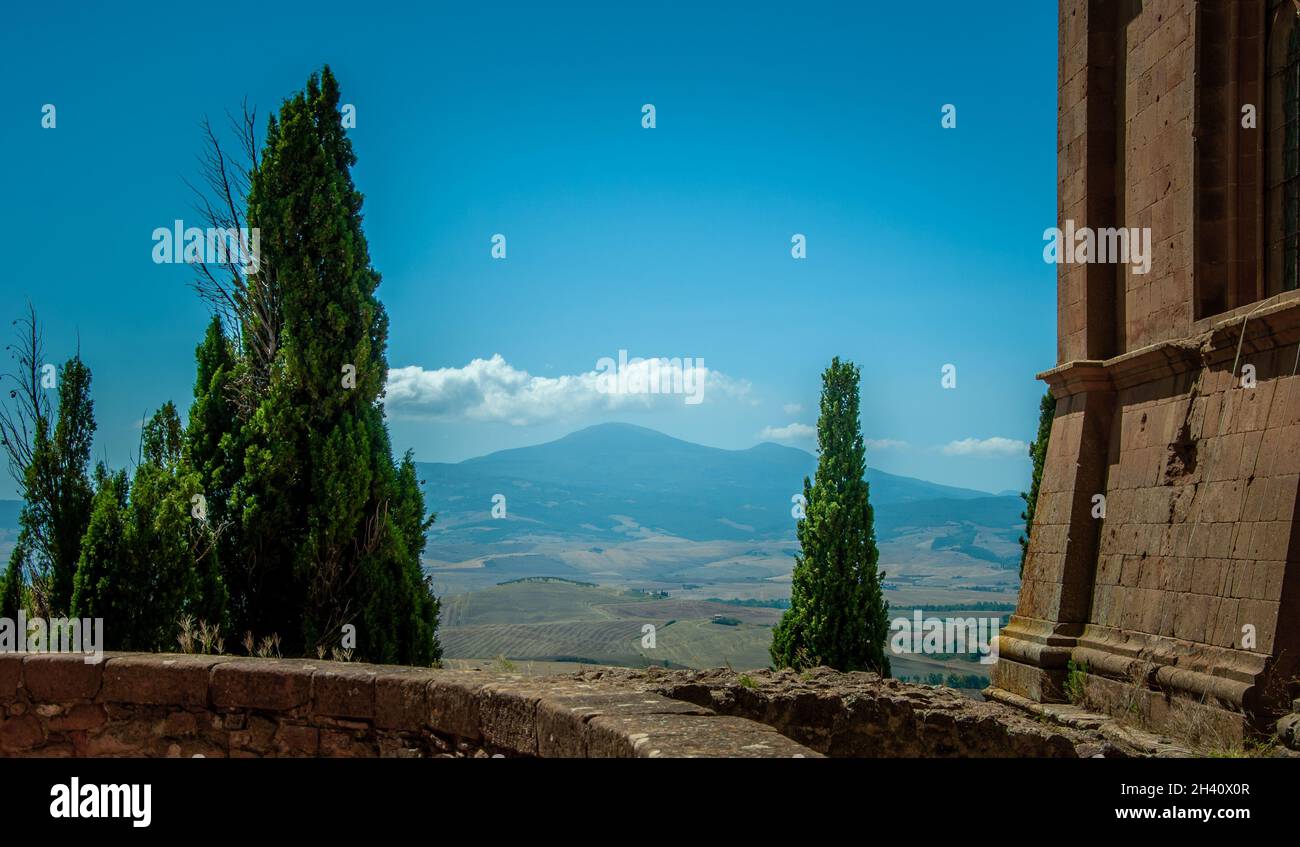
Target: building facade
1163,571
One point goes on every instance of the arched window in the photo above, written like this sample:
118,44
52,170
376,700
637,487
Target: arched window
1282,209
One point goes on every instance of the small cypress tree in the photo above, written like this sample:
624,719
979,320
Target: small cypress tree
1038,455
12,583
172,537
147,558
107,584
838,615
212,452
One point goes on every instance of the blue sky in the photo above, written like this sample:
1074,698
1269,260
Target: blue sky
924,244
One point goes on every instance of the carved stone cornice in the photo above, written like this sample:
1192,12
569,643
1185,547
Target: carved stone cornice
1263,327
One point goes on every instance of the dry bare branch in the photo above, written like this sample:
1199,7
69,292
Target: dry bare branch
29,413
248,302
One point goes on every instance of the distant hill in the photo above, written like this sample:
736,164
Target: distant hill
636,458
615,483
619,481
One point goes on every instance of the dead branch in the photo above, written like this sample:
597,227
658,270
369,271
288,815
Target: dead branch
29,415
247,301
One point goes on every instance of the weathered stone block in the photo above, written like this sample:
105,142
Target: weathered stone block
563,717
402,698
508,716
82,716
347,745
11,675
127,738
296,740
256,737
688,736
271,684
340,691
454,705
172,680
178,725
21,733
60,677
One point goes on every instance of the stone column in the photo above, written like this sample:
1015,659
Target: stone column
1056,586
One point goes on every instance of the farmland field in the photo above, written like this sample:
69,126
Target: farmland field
548,621
565,622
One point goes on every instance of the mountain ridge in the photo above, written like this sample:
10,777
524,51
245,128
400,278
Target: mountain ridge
622,482
630,442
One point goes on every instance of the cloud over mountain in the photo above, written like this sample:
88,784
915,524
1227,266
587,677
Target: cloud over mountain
789,432
487,390
995,446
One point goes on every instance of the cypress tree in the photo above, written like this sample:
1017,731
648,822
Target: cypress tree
212,450
330,529
148,556
57,493
170,535
1038,455
74,433
837,616
12,584
107,584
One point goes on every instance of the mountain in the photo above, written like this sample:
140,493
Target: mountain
619,481
616,483
622,505
641,456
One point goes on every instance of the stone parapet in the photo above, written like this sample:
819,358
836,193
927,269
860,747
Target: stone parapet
161,705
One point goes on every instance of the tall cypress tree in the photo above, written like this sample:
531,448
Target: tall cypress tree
1038,455
837,616
331,530
73,434
57,493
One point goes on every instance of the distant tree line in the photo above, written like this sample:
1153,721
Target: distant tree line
952,680
524,579
753,603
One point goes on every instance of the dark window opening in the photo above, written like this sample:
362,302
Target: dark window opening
1282,210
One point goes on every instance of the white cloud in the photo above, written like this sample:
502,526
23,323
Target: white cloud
885,444
996,446
789,432
792,408
493,390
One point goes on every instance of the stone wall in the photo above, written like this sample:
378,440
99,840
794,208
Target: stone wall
1184,581
1125,158
147,705
159,705
860,714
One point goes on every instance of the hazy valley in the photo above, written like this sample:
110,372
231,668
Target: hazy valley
644,528
616,526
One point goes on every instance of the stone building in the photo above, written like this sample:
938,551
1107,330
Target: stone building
1177,590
